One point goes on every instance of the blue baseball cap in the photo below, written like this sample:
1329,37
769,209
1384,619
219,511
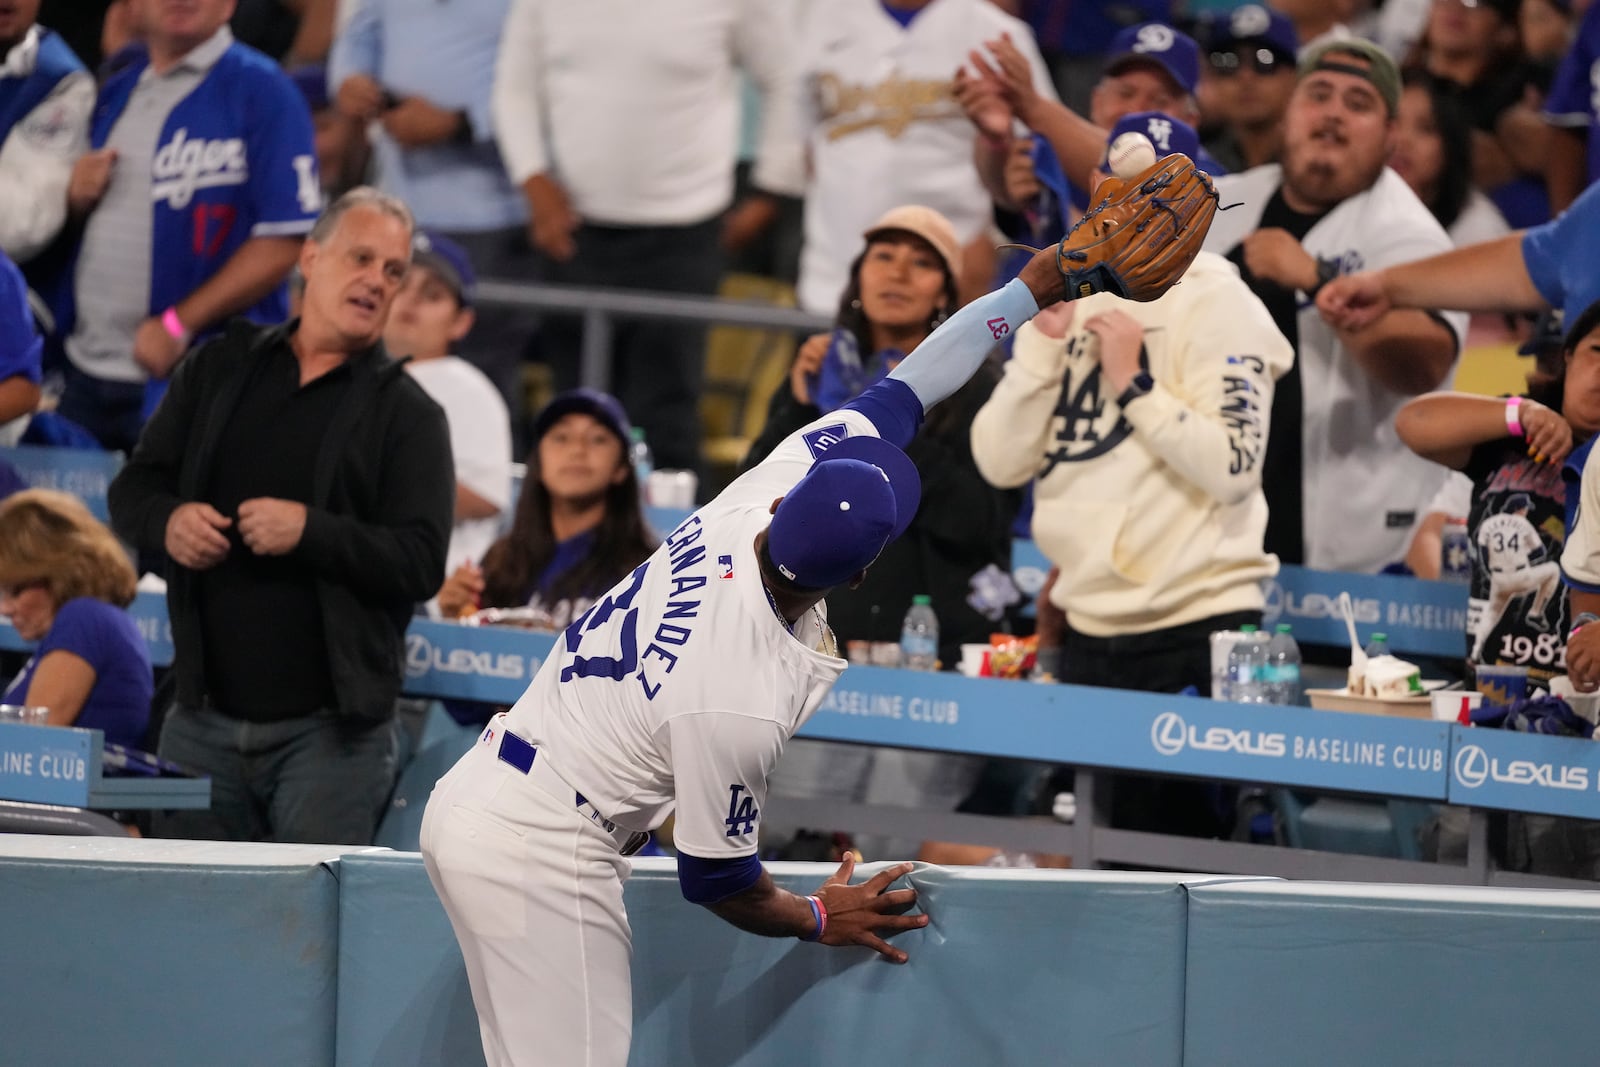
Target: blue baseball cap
1167,134
1160,44
858,496
602,406
1256,23
446,259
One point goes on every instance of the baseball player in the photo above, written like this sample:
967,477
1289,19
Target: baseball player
1509,542
677,691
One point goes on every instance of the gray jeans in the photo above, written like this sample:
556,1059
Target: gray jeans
311,780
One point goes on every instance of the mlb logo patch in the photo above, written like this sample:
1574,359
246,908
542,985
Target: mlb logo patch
725,567
825,437
488,735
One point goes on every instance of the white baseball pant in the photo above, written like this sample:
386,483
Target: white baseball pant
533,889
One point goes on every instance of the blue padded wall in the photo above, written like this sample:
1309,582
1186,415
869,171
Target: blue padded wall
166,952
1018,966
1285,974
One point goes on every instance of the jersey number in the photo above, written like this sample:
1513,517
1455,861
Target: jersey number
742,812
614,667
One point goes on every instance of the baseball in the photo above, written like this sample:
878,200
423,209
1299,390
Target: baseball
1129,154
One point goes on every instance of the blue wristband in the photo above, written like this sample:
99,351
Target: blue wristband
816,914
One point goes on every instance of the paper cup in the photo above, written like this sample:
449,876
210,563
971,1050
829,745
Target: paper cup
973,657
1448,704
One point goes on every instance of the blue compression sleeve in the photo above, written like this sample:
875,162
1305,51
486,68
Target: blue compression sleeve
704,881
952,353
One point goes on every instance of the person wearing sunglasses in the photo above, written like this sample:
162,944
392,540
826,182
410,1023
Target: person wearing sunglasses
1246,82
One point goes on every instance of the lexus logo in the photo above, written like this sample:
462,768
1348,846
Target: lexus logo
1272,607
1472,766
419,655
1167,733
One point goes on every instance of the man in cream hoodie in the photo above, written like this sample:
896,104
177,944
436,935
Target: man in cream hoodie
1144,426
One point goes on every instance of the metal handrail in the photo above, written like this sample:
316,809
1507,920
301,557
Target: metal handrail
600,307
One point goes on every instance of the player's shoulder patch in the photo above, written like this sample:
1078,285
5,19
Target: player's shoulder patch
825,437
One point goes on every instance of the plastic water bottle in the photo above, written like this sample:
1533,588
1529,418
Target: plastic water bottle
1247,666
1283,667
919,636
1378,646
644,461
1455,552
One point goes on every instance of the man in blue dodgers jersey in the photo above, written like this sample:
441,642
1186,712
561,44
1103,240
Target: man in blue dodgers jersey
201,182
677,692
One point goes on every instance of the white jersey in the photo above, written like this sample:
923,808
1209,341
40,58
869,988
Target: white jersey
480,445
681,686
1508,543
882,127
1364,488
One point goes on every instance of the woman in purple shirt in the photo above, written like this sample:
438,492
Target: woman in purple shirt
64,582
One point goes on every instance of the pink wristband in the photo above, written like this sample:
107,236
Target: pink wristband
1514,416
174,326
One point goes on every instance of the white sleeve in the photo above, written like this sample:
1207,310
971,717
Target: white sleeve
1580,560
1232,353
480,441
769,58
720,764
1011,432
36,166
518,99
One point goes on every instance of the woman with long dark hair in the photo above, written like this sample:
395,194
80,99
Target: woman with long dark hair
578,526
1433,153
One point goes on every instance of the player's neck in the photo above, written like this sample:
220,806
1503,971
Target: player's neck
789,604
569,518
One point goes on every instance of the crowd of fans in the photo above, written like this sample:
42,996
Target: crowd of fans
219,217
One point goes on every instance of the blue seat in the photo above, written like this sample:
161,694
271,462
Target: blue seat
1343,824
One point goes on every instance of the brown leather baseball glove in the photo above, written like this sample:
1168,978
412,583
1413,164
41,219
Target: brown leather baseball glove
1141,234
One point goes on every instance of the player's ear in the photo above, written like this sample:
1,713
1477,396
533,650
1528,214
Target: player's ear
773,510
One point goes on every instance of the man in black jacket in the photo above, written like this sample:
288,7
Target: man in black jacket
302,486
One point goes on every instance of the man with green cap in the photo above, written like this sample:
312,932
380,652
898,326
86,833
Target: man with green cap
1342,491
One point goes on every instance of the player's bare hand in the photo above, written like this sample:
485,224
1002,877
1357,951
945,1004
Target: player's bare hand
865,914
1354,301
360,97
1548,435
807,364
1121,338
154,349
462,591
552,222
415,123
271,527
91,175
981,99
194,536
1055,320
1020,178
1274,255
1583,663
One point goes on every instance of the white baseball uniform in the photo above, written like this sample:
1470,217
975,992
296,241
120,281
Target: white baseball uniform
1508,543
1364,488
882,127
675,692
